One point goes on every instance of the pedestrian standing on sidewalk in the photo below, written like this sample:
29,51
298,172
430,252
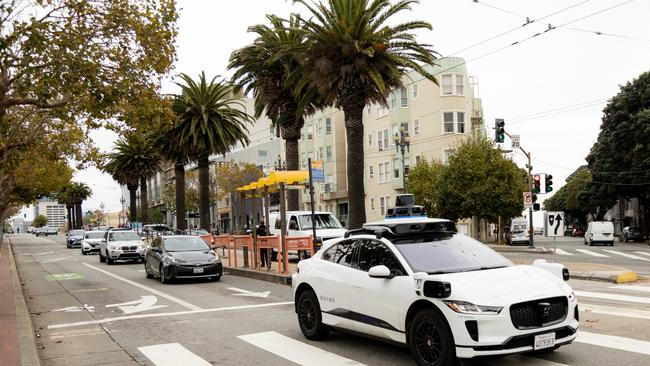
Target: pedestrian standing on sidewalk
264,254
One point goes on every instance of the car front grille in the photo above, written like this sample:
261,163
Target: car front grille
539,313
131,248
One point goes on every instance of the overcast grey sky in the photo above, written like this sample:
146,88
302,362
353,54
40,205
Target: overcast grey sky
570,72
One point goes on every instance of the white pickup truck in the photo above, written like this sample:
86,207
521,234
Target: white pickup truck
299,223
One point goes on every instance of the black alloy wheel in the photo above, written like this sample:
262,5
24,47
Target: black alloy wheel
161,272
310,317
430,340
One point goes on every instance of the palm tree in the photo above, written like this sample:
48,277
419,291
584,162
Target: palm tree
210,121
63,198
77,193
134,158
269,68
355,58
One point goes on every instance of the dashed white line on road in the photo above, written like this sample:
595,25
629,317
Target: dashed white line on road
643,253
153,291
172,354
632,288
607,310
591,253
631,256
300,353
616,342
158,315
562,252
614,297
91,290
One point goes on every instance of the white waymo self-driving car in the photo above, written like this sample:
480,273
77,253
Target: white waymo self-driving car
444,294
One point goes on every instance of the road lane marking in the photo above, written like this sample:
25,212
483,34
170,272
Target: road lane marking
632,288
158,315
295,351
63,277
616,342
76,309
172,354
615,297
643,253
607,310
242,292
145,303
562,252
91,290
631,256
153,291
593,254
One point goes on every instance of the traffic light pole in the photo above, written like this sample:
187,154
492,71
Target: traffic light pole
531,230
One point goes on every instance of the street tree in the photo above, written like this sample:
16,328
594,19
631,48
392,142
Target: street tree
620,158
39,221
230,176
78,193
424,181
269,68
191,195
211,120
68,66
355,57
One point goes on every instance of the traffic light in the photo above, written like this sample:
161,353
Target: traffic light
499,130
536,207
537,183
549,183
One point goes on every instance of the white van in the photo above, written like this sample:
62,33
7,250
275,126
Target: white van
299,224
600,232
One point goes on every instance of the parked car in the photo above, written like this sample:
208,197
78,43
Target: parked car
568,231
445,295
74,238
631,233
181,256
91,241
578,232
31,230
121,245
46,230
539,231
195,232
600,232
156,230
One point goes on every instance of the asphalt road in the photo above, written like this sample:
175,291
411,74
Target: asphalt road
632,256
87,313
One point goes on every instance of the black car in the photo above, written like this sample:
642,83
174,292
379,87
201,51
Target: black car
181,256
74,238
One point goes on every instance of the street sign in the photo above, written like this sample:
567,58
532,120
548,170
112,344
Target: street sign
554,223
528,200
515,141
317,171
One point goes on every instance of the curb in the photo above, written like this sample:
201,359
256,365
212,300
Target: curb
26,341
606,276
264,276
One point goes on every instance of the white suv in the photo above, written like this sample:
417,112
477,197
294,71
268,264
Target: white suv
121,245
445,295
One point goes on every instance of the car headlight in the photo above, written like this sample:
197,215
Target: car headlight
169,259
572,297
114,247
464,307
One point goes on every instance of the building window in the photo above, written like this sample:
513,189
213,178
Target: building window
416,127
393,99
384,172
262,153
303,159
448,122
369,110
382,139
369,140
328,125
446,84
372,204
382,111
320,127
328,153
460,80
319,155
310,132
415,91
382,204
371,171
272,130
405,96
396,168
418,159
460,122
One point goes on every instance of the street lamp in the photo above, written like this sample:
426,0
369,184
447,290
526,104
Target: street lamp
402,143
101,206
279,164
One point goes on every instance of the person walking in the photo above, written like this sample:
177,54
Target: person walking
264,253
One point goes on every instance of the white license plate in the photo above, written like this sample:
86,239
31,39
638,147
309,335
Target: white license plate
198,270
544,341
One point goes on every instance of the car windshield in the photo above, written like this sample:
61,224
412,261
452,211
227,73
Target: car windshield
123,236
187,244
76,233
323,221
448,254
95,235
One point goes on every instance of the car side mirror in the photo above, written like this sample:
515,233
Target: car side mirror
380,271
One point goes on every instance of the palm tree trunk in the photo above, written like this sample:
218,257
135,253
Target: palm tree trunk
144,200
204,192
293,162
179,181
78,216
353,111
69,210
133,213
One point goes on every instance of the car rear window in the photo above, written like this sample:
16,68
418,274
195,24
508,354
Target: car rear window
448,254
76,232
95,235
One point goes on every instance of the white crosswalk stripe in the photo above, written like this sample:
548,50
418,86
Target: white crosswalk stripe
632,288
562,252
615,342
591,253
627,255
172,354
643,253
612,297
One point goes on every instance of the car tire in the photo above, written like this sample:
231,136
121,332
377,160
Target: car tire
161,271
146,271
426,330
215,279
83,253
109,260
101,257
310,318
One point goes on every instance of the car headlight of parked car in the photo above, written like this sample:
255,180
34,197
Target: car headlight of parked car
464,307
114,247
572,297
168,259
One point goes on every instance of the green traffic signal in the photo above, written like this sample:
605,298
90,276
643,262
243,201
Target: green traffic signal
499,130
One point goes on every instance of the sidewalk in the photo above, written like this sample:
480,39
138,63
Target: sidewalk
16,334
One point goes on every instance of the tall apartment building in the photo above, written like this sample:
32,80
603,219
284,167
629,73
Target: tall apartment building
55,212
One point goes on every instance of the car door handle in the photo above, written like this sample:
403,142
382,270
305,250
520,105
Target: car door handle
356,287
